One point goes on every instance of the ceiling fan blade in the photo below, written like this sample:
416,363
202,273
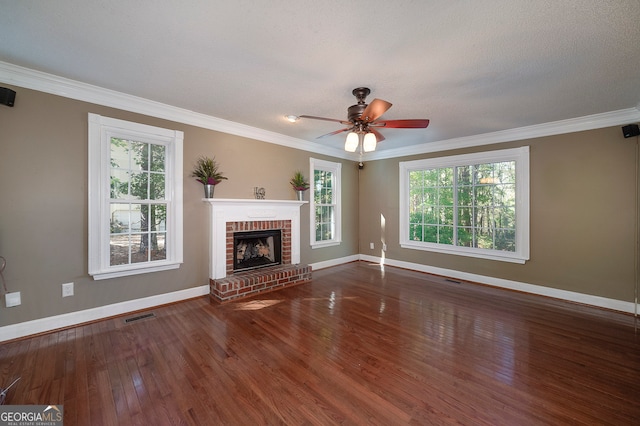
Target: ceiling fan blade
325,119
402,124
336,132
374,110
379,136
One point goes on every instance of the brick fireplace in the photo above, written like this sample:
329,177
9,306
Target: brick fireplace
229,217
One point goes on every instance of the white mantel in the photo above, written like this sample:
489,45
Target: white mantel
223,210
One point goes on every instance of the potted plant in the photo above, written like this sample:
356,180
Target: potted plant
299,184
207,173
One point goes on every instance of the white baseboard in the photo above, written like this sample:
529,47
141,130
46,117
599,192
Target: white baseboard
15,331
587,299
334,262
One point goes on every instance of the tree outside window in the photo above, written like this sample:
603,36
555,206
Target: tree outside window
474,204
325,203
135,198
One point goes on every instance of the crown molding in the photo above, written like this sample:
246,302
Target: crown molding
589,122
48,83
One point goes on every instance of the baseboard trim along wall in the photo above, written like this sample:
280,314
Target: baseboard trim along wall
570,296
335,262
42,325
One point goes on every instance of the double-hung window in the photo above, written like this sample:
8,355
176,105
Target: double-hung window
473,205
325,203
135,198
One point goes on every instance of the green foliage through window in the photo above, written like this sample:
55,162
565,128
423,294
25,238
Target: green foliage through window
467,206
324,205
137,202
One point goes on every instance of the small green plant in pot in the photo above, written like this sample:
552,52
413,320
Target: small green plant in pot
206,171
299,184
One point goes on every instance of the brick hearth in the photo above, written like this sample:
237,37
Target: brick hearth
238,285
232,215
245,284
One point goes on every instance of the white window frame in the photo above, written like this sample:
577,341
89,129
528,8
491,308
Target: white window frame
521,158
336,170
101,130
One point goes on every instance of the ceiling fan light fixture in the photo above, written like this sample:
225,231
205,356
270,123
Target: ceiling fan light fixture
351,144
369,142
292,118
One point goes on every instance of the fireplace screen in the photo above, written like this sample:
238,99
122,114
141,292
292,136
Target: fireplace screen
256,249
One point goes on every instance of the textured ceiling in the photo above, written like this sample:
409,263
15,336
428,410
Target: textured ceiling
471,67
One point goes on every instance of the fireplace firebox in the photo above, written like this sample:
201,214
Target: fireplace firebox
256,249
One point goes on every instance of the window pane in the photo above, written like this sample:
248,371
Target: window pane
446,215
156,187
505,172
505,217
464,175
119,250
483,173
430,234
139,156
483,195
415,232
140,186
445,196
158,154
505,240
505,195
430,215
139,245
119,183
119,149
465,236
158,251
445,235
158,217
138,221
120,218
484,238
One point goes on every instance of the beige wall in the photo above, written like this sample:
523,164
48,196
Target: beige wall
582,215
582,209
43,204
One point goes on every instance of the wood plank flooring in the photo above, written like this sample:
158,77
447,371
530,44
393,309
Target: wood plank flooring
360,344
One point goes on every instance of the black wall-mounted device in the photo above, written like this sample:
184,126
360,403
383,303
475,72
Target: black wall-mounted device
630,130
7,96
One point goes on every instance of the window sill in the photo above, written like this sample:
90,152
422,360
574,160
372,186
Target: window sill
325,244
477,253
113,273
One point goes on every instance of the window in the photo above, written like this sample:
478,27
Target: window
325,203
473,205
135,198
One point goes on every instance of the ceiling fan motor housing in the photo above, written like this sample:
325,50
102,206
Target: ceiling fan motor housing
355,112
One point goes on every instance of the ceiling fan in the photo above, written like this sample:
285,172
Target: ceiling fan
363,121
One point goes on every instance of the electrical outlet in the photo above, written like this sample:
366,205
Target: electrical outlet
372,246
67,289
12,299
384,247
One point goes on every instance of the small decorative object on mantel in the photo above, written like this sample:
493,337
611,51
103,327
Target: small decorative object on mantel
259,193
299,184
206,172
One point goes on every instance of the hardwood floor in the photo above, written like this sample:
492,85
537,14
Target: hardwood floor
357,345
